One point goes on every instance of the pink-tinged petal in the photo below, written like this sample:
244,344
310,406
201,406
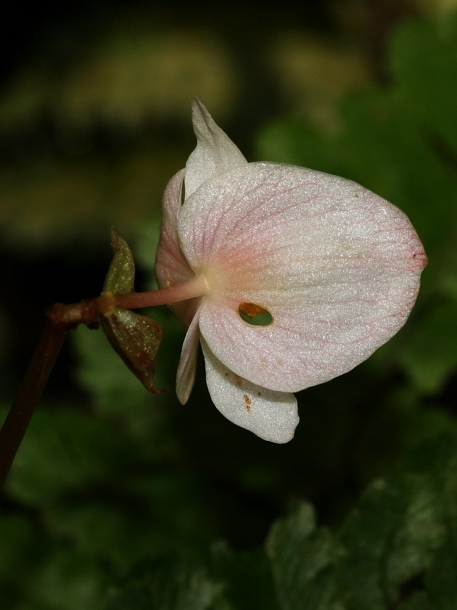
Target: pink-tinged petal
215,153
270,415
171,266
187,366
337,267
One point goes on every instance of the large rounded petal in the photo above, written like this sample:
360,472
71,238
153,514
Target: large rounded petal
171,266
271,415
215,153
337,267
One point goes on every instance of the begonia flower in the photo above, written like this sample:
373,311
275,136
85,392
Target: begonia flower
336,266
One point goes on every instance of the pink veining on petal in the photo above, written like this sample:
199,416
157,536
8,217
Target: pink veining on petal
171,266
337,267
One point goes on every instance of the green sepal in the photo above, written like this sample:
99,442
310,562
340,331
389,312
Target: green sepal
136,339
121,273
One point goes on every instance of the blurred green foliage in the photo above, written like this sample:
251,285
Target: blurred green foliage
396,549
123,501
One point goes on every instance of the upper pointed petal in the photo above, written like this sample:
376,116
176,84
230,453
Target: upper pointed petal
337,267
270,415
215,153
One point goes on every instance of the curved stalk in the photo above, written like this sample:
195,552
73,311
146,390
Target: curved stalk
28,395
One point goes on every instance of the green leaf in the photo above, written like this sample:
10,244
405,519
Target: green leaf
114,390
437,458
17,553
62,450
165,584
302,559
116,393
69,580
424,61
442,578
388,540
247,578
430,357
418,601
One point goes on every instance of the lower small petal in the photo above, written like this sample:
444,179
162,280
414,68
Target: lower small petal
187,366
269,414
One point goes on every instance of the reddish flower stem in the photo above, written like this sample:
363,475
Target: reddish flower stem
60,319
195,287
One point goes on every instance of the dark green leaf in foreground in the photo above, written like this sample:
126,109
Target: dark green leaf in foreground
441,581
246,577
302,559
430,357
424,60
418,601
397,550
165,584
439,458
388,542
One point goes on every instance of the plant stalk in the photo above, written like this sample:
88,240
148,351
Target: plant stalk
28,395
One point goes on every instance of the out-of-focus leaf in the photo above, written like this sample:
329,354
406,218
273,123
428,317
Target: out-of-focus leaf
428,424
113,388
424,62
441,580
437,457
302,559
165,585
146,241
67,580
430,356
418,601
141,516
246,578
116,393
62,450
388,540
17,555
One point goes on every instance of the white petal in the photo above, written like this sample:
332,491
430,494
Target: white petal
187,366
171,266
270,415
215,153
337,267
